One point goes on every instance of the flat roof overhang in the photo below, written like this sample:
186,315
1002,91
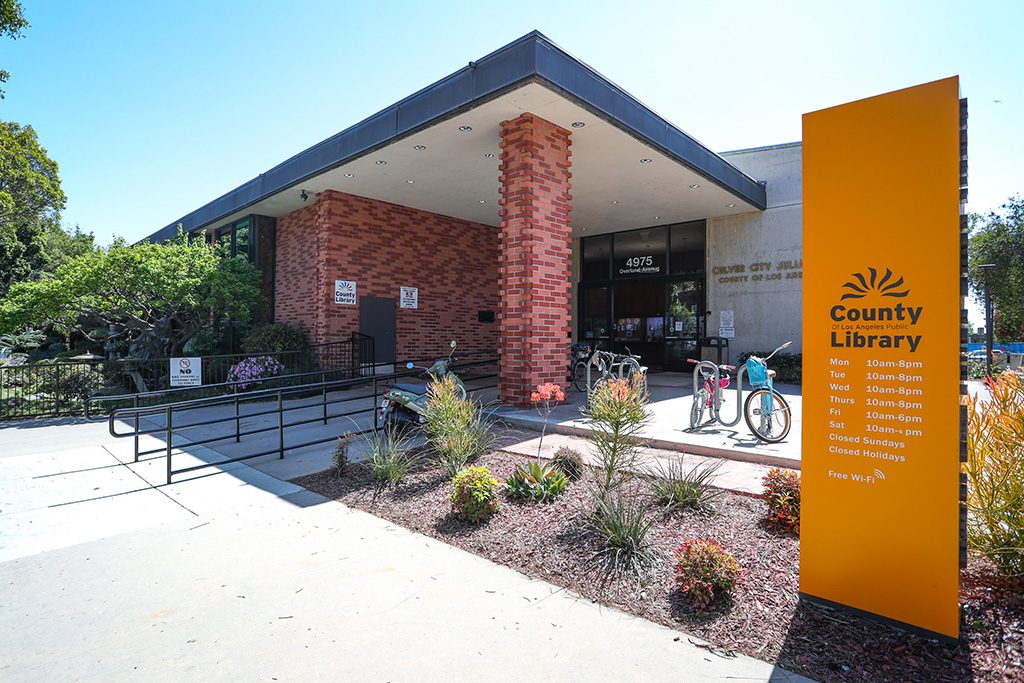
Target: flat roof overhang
422,138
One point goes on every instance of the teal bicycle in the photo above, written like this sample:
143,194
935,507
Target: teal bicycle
766,412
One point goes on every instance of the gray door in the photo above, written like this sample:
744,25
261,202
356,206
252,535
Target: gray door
377,319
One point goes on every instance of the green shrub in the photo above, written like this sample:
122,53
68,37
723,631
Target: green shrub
676,486
274,338
570,462
995,473
456,430
787,366
207,341
339,458
70,381
390,459
621,523
617,409
536,481
705,570
782,493
474,494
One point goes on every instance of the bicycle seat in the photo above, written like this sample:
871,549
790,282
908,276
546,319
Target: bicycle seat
771,373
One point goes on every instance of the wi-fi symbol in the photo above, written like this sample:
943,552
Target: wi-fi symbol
879,474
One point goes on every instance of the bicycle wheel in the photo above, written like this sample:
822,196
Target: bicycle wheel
768,415
700,401
579,375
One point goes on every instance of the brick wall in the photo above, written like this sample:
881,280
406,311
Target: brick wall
383,247
535,268
294,268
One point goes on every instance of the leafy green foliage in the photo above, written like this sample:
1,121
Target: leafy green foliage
391,458
995,473
160,292
31,200
705,570
536,481
787,366
456,430
618,411
570,462
998,237
23,340
621,523
12,23
782,493
274,338
676,486
474,494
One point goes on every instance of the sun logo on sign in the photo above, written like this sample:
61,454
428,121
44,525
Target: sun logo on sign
885,286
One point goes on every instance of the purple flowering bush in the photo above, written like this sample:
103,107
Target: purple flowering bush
254,368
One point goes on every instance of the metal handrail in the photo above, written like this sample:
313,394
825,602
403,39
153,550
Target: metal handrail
135,412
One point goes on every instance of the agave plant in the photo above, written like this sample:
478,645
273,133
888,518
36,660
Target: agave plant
536,481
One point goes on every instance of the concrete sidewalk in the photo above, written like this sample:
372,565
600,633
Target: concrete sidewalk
234,574
671,398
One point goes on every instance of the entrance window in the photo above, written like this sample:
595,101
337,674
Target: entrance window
640,253
596,314
597,252
687,247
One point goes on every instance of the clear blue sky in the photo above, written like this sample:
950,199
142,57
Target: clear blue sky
152,109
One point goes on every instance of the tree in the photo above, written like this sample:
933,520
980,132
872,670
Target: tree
153,296
31,200
60,246
12,23
998,237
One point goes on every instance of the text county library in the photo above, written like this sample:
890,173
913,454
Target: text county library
517,205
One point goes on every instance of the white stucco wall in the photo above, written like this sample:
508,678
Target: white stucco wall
754,260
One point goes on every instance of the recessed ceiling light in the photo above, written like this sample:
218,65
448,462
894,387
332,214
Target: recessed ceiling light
730,205
350,175
410,181
583,229
657,218
694,186
381,162
465,129
645,161
483,201
578,124
489,155
615,201
419,147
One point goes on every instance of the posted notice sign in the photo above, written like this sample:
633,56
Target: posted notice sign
881,367
345,292
410,297
186,372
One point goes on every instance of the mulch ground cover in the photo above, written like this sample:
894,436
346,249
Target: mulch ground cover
763,618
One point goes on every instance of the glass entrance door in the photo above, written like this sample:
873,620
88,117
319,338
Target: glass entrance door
640,320
596,317
685,324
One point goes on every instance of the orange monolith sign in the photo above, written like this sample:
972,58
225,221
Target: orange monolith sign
881,366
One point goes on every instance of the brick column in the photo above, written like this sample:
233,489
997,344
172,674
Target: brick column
534,259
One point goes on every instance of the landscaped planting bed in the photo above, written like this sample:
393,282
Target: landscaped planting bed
762,617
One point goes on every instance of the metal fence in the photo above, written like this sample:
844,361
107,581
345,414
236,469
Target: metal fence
172,417
61,388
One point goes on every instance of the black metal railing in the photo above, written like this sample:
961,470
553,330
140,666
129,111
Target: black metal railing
62,388
312,397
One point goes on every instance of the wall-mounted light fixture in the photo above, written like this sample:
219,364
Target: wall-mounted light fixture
304,195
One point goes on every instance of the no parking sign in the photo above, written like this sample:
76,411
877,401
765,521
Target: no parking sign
186,372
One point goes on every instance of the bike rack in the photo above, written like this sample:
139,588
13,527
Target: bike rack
714,411
590,387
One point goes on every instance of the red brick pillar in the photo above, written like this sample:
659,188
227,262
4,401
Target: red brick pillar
534,260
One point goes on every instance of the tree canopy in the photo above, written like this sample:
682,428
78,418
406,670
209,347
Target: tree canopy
153,296
31,200
12,23
998,238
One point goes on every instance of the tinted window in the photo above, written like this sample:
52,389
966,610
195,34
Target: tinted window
639,253
687,247
597,253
